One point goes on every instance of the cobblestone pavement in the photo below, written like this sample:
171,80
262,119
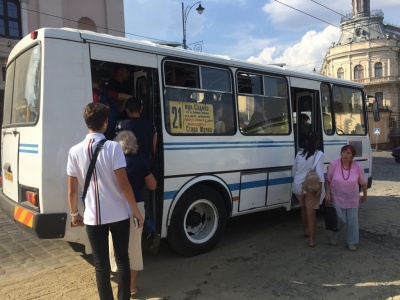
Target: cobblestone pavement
381,212
21,253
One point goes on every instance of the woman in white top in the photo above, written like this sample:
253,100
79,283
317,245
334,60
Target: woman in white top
307,158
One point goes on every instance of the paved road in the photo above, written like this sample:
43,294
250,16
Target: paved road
21,253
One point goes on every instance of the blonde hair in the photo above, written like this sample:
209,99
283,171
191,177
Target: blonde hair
128,141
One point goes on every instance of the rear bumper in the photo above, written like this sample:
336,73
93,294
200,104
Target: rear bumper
44,226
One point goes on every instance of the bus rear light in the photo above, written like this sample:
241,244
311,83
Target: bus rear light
34,35
31,197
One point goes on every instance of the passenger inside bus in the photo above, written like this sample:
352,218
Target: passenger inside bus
103,96
256,124
219,125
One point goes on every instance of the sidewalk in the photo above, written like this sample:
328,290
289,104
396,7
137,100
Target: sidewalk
380,214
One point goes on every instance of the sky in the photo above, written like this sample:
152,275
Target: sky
295,32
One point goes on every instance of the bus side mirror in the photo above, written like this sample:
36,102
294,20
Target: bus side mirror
375,108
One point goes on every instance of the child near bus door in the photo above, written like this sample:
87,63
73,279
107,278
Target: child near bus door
139,175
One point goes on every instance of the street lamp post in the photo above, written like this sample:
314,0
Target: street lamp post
185,13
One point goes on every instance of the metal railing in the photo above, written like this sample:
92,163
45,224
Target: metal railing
373,13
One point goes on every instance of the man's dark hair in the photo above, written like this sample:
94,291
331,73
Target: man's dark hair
311,145
133,105
95,114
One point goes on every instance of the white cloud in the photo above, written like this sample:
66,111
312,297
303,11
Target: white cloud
305,55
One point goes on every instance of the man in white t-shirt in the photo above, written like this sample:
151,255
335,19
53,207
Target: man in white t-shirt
109,201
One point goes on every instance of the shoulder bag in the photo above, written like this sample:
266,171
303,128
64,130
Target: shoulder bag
89,173
311,182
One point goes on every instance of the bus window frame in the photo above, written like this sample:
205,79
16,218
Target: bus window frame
12,111
198,90
331,113
363,110
264,96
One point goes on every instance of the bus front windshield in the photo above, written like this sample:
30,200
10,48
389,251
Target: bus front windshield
22,92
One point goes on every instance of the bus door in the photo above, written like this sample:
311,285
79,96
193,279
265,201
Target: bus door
10,163
147,89
143,84
306,110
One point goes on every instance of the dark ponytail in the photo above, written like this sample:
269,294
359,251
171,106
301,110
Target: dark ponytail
311,144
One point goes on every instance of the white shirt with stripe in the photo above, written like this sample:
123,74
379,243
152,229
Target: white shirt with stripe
104,202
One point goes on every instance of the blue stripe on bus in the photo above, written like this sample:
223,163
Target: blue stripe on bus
233,145
244,185
28,148
249,185
226,145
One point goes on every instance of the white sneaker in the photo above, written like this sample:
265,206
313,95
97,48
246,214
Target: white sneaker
352,247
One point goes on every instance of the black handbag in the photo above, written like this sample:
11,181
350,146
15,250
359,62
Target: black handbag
331,221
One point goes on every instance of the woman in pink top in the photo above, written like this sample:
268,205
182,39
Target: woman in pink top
342,190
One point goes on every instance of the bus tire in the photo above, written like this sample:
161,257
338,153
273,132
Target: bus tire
198,221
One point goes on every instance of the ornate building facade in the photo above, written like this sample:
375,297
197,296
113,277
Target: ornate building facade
368,52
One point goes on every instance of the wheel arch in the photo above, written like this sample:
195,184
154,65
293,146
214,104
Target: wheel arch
213,181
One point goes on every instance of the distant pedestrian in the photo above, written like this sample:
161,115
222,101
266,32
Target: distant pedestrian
343,181
109,202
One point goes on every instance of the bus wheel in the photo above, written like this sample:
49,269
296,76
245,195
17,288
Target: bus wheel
198,221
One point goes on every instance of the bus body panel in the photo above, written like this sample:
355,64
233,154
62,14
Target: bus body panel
120,55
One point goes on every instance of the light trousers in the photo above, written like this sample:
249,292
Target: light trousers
349,217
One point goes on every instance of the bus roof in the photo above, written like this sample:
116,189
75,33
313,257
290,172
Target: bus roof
162,49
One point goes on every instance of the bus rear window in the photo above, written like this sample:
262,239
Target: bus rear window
22,92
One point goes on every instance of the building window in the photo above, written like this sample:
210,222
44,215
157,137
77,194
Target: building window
340,73
10,19
358,72
379,98
378,69
87,24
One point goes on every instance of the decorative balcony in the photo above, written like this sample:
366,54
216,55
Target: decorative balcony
375,13
379,80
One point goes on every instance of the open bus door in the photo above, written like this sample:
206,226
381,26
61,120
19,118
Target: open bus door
307,115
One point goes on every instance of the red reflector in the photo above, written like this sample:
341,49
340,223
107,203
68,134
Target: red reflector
34,35
31,197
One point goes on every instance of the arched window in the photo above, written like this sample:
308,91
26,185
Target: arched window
340,73
10,19
86,24
378,69
358,72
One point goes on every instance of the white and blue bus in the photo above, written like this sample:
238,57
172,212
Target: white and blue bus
228,131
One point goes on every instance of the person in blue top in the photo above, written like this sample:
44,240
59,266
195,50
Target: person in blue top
146,135
144,130
139,176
